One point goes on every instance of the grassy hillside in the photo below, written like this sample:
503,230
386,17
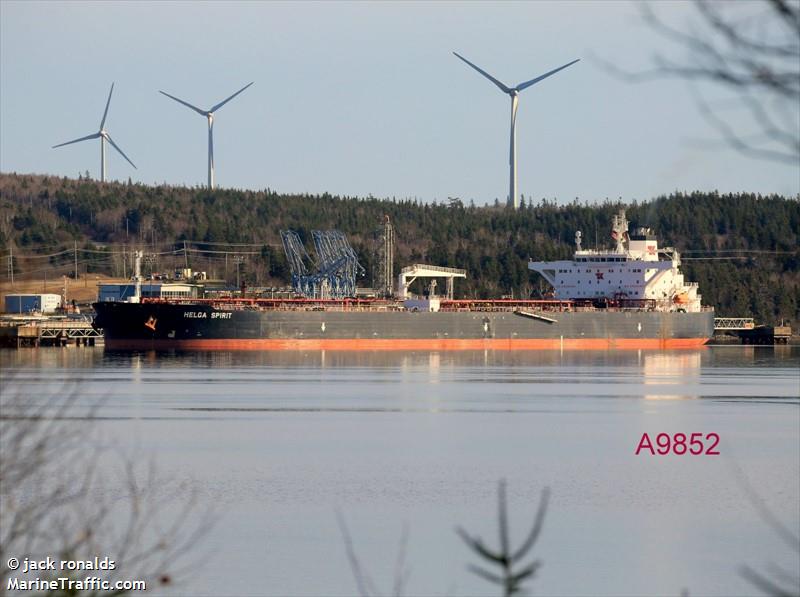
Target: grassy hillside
753,239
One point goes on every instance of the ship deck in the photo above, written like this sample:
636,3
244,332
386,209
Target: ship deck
384,305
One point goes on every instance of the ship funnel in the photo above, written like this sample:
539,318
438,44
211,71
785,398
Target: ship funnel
578,235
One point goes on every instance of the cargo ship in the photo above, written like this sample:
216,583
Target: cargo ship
631,297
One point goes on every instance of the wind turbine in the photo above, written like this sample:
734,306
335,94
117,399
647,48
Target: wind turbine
103,135
209,114
513,198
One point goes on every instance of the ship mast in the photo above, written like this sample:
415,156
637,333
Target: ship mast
137,277
619,230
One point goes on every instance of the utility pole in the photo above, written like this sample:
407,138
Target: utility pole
150,259
237,259
76,260
11,264
185,256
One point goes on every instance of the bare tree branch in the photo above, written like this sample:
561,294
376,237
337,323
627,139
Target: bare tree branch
54,501
750,50
765,584
364,583
510,579
355,566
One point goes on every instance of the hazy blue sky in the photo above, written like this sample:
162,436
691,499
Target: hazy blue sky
360,98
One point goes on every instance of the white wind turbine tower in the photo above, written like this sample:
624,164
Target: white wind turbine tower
103,135
513,197
209,114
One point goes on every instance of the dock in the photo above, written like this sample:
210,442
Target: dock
17,332
766,335
748,332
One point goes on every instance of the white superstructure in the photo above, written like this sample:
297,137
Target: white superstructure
640,271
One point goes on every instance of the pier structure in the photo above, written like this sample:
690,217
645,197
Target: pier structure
733,324
20,332
748,332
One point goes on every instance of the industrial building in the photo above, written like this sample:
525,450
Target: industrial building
122,292
32,303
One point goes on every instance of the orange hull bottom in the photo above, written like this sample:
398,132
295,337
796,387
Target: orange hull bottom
411,344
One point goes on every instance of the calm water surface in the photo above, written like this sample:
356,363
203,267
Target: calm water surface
274,443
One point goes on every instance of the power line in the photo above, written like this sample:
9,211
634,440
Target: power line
744,251
64,252
730,257
210,252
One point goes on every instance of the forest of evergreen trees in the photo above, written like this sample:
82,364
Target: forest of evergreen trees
741,248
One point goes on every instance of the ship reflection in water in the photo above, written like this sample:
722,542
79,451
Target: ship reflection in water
664,370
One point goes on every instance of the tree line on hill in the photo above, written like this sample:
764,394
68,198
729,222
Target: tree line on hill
752,239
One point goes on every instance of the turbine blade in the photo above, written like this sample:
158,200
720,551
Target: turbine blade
86,138
114,145
527,84
502,87
187,104
108,102
223,102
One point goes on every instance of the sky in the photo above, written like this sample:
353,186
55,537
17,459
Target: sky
362,99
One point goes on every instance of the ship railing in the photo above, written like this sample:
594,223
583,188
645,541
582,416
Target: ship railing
435,268
371,304
617,304
509,305
282,304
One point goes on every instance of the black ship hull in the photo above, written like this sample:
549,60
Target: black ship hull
163,325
